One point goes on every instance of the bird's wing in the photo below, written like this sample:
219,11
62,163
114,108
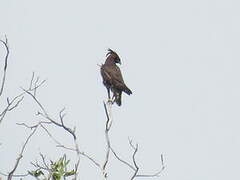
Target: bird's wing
113,75
105,75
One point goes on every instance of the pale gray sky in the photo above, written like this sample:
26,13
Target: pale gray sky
180,58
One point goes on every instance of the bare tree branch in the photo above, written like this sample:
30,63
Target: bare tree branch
91,159
44,161
135,148
45,115
31,91
10,175
5,43
108,112
15,175
69,148
154,174
134,167
121,160
14,103
11,105
33,126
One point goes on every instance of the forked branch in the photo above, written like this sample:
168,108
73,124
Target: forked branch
134,165
11,174
14,102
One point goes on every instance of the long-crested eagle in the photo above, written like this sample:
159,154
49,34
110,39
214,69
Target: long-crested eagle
112,77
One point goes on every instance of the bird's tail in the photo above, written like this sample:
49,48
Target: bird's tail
127,90
118,97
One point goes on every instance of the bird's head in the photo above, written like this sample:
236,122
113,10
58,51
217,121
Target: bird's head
114,56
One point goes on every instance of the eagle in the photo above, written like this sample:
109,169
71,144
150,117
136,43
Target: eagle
112,77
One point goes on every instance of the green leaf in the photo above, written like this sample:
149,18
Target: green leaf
70,173
36,173
56,176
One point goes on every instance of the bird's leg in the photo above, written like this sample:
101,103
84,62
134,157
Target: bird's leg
109,97
113,98
108,90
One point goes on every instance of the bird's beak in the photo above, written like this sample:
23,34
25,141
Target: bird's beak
120,63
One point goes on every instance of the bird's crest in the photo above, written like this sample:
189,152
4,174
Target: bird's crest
110,52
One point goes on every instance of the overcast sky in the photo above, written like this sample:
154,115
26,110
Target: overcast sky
180,59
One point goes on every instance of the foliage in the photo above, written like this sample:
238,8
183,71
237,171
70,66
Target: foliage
56,171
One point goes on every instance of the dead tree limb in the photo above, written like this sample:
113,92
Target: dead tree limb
11,104
5,43
61,124
108,111
135,148
14,102
156,174
10,175
46,116
134,165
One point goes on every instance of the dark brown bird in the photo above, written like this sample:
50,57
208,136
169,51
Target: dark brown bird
112,77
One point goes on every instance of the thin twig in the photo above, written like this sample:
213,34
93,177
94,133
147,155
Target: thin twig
15,175
154,174
10,175
33,126
44,161
10,106
135,148
14,103
45,115
121,160
91,159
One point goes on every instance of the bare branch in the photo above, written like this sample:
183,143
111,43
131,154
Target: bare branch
44,161
5,43
11,105
15,175
14,103
76,169
10,175
91,159
154,174
39,104
31,82
33,126
108,113
134,167
135,148
35,85
71,149
121,160
45,115
49,134
37,165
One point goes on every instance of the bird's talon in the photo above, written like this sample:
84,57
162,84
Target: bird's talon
110,101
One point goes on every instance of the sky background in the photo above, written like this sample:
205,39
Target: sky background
180,59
